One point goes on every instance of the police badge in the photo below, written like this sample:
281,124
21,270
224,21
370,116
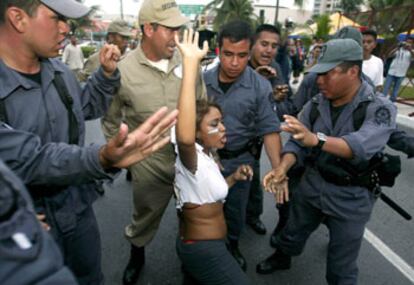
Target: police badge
382,116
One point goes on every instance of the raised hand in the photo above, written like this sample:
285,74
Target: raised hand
108,57
299,131
266,71
126,149
189,46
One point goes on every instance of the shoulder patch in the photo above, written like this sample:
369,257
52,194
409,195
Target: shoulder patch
383,116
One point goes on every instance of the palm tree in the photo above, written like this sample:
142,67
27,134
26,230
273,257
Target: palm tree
84,21
323,24
227,10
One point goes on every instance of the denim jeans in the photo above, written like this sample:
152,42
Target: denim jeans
397,83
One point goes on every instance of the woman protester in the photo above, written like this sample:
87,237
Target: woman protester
200,187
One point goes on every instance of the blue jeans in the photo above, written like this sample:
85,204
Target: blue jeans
397,83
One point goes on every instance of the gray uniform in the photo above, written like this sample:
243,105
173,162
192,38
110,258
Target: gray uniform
24,246
346,209
255,203
399,139
34,145
247,114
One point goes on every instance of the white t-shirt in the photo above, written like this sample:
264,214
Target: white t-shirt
206,186
401,63
374,68
73,56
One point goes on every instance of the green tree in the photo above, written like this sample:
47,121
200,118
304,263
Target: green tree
85,21
323,26
349,6
227,10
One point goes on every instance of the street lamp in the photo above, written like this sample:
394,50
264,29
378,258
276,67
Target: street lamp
276,12
122,9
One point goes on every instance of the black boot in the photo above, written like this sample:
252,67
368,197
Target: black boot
257,225
277,261
134,266
283,219
233,247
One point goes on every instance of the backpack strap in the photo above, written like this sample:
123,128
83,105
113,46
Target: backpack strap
67,100
314,112
3,111
358,115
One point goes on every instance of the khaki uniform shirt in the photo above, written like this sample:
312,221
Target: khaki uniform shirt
144,89
91,65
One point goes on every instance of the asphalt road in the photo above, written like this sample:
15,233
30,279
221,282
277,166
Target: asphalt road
162,266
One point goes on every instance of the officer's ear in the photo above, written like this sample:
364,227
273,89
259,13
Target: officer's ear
355,71
17,18
149,29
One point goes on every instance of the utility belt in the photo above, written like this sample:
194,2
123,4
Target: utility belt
382,170
253,146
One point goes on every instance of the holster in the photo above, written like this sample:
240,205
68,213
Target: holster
253,146
382,170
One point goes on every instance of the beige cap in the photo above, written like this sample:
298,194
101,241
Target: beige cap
163,12
120,27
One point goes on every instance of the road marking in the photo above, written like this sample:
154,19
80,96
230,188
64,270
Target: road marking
390,255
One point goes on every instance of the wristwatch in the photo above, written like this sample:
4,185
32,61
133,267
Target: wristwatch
321,140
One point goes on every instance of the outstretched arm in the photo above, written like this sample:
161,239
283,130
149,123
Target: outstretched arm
186,122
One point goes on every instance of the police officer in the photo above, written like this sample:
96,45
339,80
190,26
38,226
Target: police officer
243,96
25,247
118,33
264,49
399,139
151,77
42,127
331,142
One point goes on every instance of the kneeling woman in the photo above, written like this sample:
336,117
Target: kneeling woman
200,187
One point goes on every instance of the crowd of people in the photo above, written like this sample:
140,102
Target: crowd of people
209,163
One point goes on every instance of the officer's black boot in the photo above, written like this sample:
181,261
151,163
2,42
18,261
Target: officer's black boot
277,261
134,266
283,218
257,225
233,247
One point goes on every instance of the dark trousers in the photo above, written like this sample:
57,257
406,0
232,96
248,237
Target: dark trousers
236,201
255,202
81,247
210,263
345,237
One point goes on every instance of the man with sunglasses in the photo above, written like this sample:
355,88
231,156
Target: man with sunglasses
151,77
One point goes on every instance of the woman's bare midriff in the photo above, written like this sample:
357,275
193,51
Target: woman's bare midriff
203,222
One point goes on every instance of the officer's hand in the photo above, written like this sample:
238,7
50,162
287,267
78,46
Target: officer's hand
280,92
108,57
299,131
276,182
126,149
189,46
266,71
42,218
282,192
243,172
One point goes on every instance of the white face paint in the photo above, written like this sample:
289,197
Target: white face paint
213,131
